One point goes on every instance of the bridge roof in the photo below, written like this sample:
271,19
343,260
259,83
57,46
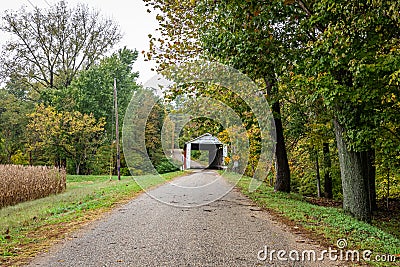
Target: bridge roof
205,139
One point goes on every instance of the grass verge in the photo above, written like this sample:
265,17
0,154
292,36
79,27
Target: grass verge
30,227
326,224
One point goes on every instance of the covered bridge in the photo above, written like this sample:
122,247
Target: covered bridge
216,151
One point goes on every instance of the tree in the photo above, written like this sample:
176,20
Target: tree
50,46
92,90
142,134
179,36
71,134
307,123
350,59
13,121
232,33
328,190
346,51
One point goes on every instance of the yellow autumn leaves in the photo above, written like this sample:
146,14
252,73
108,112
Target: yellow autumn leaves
71,133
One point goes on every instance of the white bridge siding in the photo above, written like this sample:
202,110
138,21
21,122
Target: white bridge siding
217,150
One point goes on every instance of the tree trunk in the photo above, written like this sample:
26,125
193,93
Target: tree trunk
318,177
30,158
282,182
327,171
9,155
63,163
368,160
388,189
356,200
77,168
271,180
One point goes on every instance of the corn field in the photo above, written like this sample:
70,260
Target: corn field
21,183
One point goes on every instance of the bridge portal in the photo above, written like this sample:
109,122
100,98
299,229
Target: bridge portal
216,151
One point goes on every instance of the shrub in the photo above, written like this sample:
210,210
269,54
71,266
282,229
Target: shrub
165,166
21,183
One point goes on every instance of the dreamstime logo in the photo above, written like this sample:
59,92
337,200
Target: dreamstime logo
341,243
330,254
192,76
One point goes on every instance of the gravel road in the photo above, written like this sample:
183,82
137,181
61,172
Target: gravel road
230,231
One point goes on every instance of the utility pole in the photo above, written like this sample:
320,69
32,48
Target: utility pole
173,137
117,130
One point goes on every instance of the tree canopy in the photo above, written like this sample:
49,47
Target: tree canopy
48,47
70,134
62,60
331,66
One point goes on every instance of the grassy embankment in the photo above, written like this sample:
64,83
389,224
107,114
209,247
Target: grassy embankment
30,227
325,224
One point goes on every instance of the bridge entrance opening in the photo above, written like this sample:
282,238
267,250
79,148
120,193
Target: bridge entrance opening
216,151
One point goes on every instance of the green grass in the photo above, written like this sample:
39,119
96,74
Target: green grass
329,222
28,226
388,221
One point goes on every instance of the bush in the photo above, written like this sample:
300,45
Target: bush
22,183
165,166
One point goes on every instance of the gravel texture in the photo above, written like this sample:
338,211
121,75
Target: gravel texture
173,226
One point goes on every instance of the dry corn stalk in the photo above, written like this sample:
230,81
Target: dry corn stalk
21,183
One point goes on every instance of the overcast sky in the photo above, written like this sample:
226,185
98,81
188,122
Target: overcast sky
131,15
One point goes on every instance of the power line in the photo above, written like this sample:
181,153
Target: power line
31,4
29,1
47,3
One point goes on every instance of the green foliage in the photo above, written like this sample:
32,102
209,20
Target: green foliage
154,146
71,134
143,131
350,64
302,166
165,165
92,90
20,158
102,161
13,121
387,183
195,154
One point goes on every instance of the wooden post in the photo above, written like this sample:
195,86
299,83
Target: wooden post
184,157
318,177
173,138
117,130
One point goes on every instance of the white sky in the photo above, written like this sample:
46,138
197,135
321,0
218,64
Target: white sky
131,15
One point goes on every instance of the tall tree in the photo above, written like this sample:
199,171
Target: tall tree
348,51
13,122
142,134
350,60
73,134
233,33
49,46
327,171
92,90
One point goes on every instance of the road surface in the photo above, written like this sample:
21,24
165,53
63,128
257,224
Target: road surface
177,154
173,230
